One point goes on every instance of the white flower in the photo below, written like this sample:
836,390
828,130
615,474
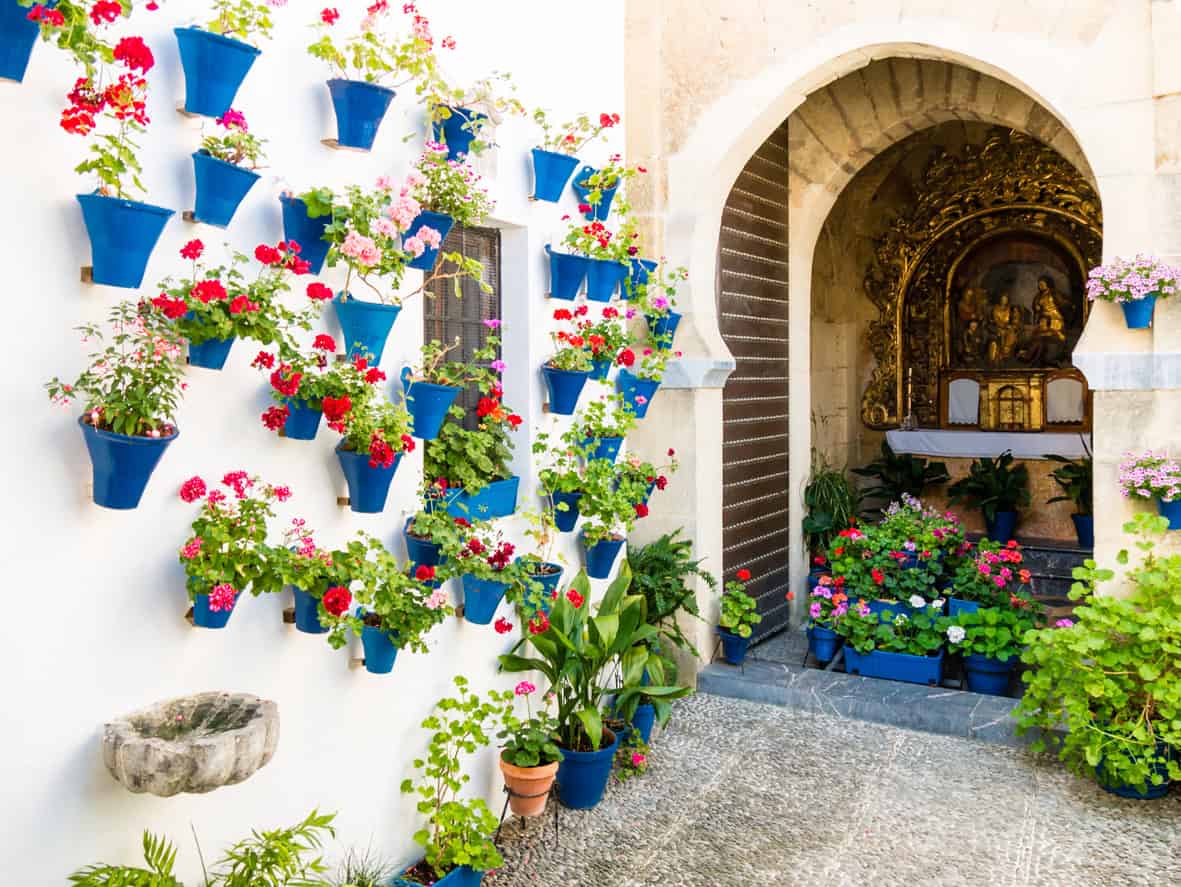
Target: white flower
955,634
936,604
917,601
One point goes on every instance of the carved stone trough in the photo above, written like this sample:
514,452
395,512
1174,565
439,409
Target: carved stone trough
192,744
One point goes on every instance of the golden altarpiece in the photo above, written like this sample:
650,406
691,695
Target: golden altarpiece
980,289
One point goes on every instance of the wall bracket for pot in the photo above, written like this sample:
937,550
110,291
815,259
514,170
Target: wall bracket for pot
337,146
289,615
459,611
343,501
545,407
189,618
188,216
87,274
343,357
356,662
180,109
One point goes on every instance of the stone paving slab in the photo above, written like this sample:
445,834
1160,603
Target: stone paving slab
742,794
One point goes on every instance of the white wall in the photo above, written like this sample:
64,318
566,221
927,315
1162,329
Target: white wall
96,625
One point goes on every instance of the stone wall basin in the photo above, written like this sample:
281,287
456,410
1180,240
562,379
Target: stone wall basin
192,743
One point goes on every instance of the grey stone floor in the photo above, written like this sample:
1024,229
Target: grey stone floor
742,794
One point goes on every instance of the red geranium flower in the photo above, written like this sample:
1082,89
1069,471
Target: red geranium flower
105,11
462,522
878,576
485,406
324,342
241,304
209,290
192,250
268,255
329,16
275,417
134,53
502,626
286,385
316,290
514,420
373,375
563,314
539,625
608,120
641,509
626,358
424,573
743,575
192,489
574,598
336,408
46,16
337,600
172,308
264,360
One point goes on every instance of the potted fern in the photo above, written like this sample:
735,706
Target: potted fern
998,487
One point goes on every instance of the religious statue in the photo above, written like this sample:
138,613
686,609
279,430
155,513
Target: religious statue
972,344
1006,330
1049,333
971,306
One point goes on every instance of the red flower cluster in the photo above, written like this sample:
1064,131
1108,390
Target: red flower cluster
743,575
192,250
337,600
192,489
626,358
319,292
574,598
324,342
284,384
264,360
503,555
599,232
329,16
502,626
43,15
242,304
539,625
424,573
286,255
641,509
275,417
105,11
239,481
381,454
336,409
209,290
608,120
878,576
171,308
134,54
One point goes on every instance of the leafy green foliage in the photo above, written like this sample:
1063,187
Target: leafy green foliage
897,474
661,573
1111,679
831,502
739,614
241,19
1076,477
78,35
995,632
919,633
528,742
363,869
159,856
276,857
569,137
993,485
457,831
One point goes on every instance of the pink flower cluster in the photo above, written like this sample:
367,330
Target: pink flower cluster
361,248
1148,475
222,597
1128,281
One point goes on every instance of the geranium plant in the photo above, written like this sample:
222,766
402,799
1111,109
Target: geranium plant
134,383
1111,678
457,831
605,416
570,348
490,98
591,239
992,574
828,602
1150,476
922,632
1130,281
227,547
221,303
658,296
375,427
610,504
528,741
237,145
299,562
310,377
243,19
606,336
739,611
74,27
995,632
612,174
650,363
483,551
375,55
435,368
450,187
570,137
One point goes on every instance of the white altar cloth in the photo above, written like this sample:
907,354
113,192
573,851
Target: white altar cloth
973,444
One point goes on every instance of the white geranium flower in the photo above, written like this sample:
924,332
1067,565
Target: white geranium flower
917,601
955,634
936,604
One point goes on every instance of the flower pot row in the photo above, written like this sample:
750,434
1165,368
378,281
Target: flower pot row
564,389
569,272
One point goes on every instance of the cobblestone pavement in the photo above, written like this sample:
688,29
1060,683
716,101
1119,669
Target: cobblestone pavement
745,795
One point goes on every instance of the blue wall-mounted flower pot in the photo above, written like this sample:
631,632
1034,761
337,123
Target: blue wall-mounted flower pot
644,720
307,613
989,676
549,585
603,277
823,642
428,404
121,465
481,597
566,274
895,666
497,499
600,557
565,519
459,130
636,392
551,172
663,328
368,486
380,651
210,354
360,107
639,273
564,387
303,421
600,368
956,606
1172,511
582,775
439,222
1002,527
203,617
601,210
214,67
306,231
123,234
365,326
1138,313
603,447
221,188
421,551
17,37
1084,529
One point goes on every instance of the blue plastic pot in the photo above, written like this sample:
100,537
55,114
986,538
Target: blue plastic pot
644,720
365,326
549,585
1135,793
565,519
566,274
1084,528
428,404
1002,527
600,367
1172,511
497,499
303,421
603,447
438,221
214,67
123,234
210,354
734,646
895,666
307,613
600,557
360,108
368,486
221,187
564,387
823,642
601,210
17,36
298,226
894,608
551,172
955,606
989,676
421,551
1138,314
582,775
380,651
481,597
203,617
662,328
459,130
121,464
457,877
603,277
637,392
638,275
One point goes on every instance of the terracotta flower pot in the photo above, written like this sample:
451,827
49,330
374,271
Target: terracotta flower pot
529,787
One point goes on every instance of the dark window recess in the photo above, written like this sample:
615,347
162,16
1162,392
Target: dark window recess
446,316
